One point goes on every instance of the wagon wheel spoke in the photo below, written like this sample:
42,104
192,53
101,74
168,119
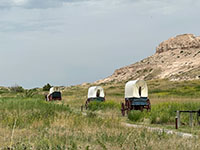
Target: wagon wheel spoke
123,109
128,107
86,104
149,105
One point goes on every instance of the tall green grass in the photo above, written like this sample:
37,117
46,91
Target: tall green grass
25,111
164,113
165,88
38,124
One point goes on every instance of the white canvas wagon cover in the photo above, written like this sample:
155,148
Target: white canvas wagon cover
54,89
132,89
92,92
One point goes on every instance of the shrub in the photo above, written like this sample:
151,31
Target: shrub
16,89
95,105
3,91
136,115
47,87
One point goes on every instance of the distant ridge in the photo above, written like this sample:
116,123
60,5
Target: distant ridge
177,58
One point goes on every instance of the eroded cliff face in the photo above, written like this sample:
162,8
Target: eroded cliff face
185,41
177,58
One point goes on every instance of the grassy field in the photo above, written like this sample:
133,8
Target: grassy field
27,121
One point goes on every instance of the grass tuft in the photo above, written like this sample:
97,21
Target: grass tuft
95,105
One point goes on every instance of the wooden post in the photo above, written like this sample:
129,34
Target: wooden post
191,120
176,122
178,118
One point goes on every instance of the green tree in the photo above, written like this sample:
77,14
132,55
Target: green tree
47,87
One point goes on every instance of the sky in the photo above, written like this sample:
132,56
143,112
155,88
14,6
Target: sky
69,42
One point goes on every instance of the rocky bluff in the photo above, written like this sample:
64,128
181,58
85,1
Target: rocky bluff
177,58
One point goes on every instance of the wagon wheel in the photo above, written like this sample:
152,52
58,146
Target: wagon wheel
50,98
123,109
86,104
149,105
82,107
46,97
128,106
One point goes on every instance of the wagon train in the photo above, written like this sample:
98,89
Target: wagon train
54,94
95,93
136,97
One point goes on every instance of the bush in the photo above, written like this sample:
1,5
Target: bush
3,91
16,89
47,87
136,115
95,105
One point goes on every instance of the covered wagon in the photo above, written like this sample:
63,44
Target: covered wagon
54,94
136,96
95,93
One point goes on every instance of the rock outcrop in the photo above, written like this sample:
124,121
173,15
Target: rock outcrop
177,58
185,41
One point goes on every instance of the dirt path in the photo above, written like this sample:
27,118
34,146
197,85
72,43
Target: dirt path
155,129
167,131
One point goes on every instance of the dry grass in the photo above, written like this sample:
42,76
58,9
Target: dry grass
83,132
69,128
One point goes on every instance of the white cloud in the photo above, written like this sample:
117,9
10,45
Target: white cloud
19,2
40,4
167,5
84,41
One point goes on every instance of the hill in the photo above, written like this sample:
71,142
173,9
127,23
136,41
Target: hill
177,58
29,122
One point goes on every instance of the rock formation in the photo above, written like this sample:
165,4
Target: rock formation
185,41
177,58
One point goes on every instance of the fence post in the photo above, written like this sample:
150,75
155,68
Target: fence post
178,118
191,120
176,122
